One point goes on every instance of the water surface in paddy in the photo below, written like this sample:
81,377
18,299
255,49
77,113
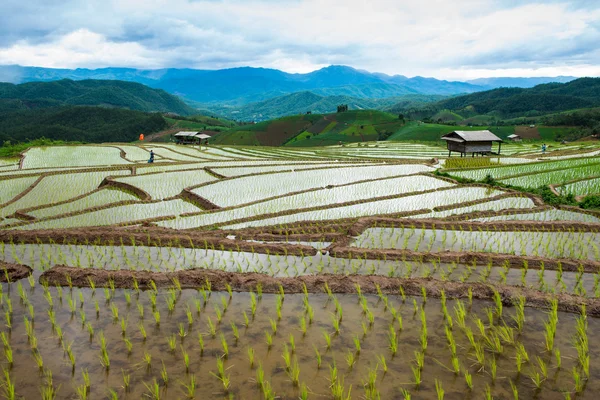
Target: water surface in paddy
575,245
373,343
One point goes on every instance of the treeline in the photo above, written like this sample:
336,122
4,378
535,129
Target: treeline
587,123
77,123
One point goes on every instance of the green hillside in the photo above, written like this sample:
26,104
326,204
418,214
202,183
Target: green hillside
106,93
315,129
516,102
299,103
78,123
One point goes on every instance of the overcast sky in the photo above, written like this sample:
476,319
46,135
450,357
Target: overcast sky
458,39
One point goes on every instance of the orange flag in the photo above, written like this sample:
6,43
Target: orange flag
141,136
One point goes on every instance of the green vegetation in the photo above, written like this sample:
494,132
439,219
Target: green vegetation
78,123
517,102
299,103
315,130
106,93
12,150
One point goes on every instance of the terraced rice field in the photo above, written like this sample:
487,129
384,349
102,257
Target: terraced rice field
338,273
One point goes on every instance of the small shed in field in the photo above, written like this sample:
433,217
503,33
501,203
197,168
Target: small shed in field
474,142
189,137
515,138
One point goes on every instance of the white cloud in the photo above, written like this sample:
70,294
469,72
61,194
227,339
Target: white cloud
428,37
80,48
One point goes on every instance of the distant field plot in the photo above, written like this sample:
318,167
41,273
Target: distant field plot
553,177
72,156
57,188
546,215
97,199
585,187
135,153
507,171
9,188
237,171
7,162
391,206
494,205
318,198
172,154
243,154
167,184
117,215
220,153
192,151
228,193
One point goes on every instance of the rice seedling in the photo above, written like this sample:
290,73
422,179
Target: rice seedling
317,356
148,360
211,327
235,331
172,342
127,380
269,339
153,390
190,388
350,359
224,346
186,359
439,390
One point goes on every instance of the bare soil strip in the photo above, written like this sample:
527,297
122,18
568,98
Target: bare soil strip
13,272
197,278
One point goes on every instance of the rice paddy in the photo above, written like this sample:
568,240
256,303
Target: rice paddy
344,272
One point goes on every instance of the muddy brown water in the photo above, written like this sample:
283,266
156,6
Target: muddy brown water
27,379
24,372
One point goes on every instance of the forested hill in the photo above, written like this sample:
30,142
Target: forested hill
516,102
77,123
105,93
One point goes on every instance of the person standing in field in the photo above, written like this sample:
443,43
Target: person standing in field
151,160
544,148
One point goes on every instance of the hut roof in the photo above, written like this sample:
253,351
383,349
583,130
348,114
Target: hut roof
513,136
186,133
471,136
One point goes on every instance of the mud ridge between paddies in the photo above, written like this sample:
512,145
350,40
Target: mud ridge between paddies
373,284
13,272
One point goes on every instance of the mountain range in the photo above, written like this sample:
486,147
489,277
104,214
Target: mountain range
240,86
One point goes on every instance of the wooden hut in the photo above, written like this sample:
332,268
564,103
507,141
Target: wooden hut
189,137
474,142
514,138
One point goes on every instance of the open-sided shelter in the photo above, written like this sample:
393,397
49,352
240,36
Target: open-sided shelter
474,142
189,137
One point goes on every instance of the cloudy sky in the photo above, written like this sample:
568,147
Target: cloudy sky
458,39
